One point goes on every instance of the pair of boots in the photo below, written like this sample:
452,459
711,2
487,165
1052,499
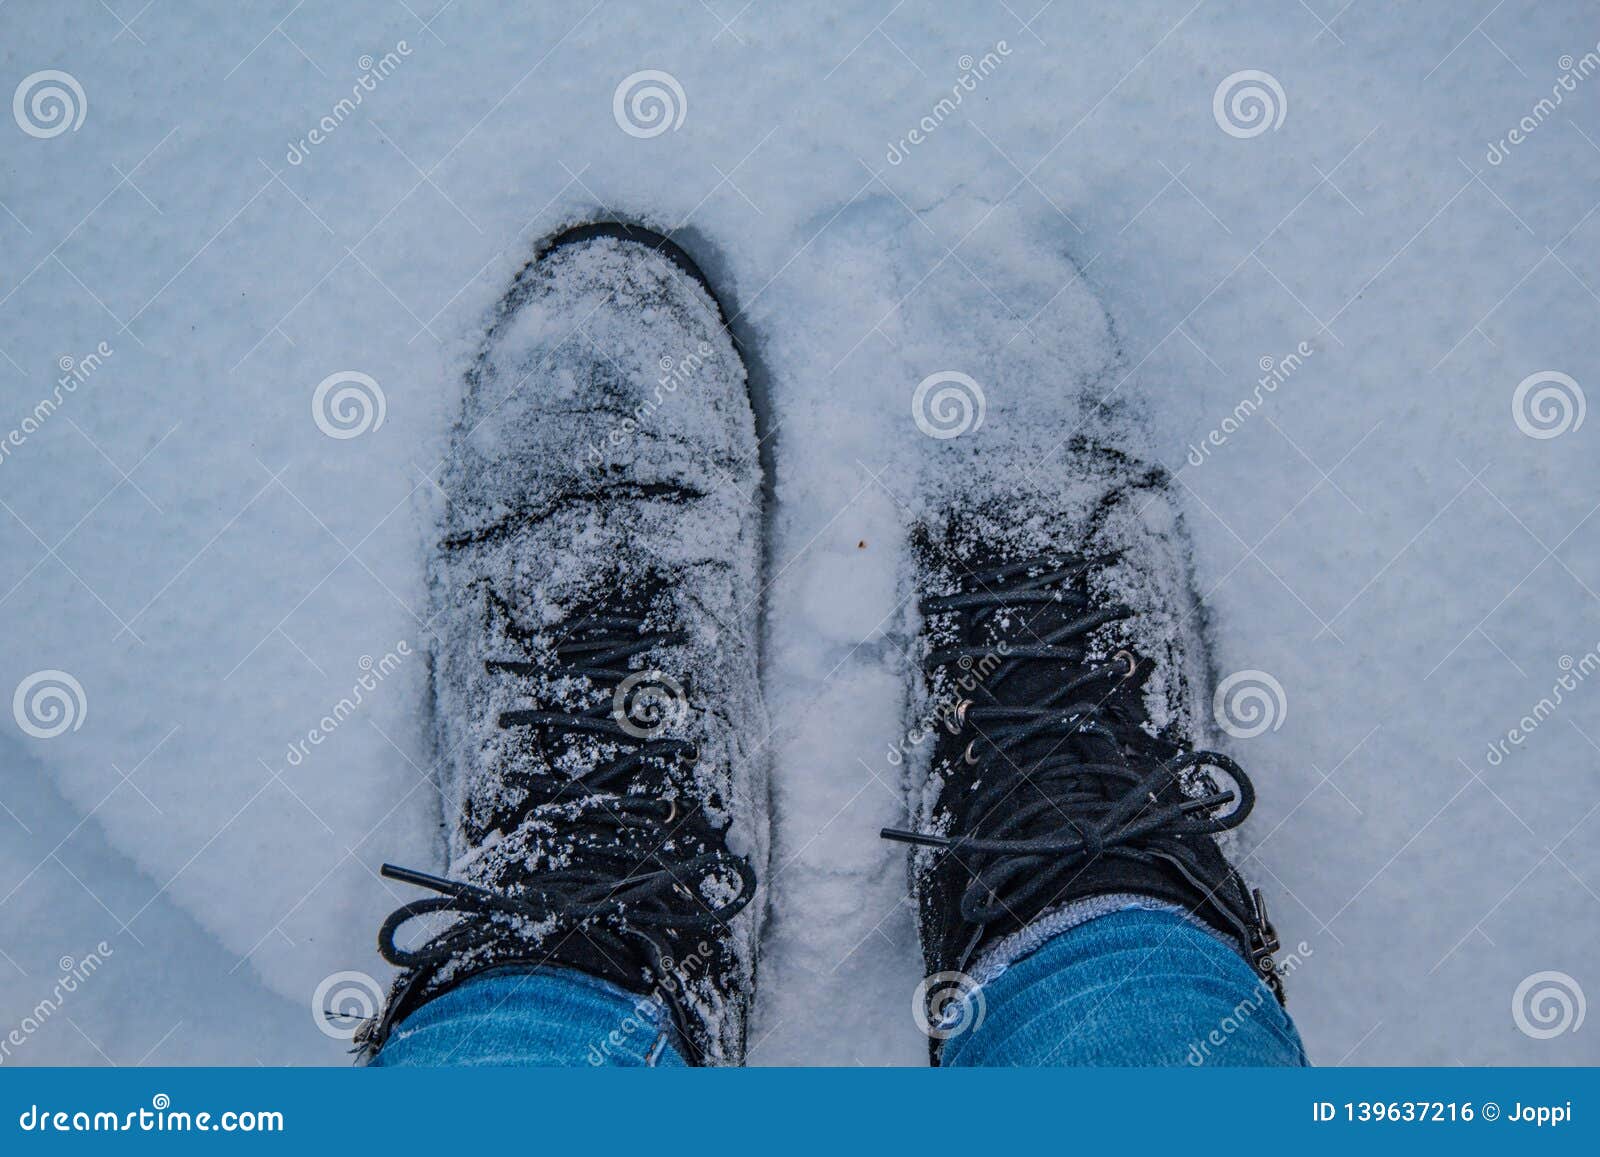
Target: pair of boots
600,723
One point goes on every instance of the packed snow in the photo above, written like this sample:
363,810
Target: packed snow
1347,254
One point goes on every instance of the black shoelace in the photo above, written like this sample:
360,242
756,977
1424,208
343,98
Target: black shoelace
1092,779
625,901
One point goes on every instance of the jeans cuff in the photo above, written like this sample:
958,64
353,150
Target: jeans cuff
1006,951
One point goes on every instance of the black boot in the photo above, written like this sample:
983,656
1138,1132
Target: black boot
596,594
1060,640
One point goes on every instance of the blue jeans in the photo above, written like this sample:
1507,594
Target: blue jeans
1136,987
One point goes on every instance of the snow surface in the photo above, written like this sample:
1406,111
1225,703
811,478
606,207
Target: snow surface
1379,535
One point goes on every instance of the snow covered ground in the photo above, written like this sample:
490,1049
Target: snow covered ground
1393,531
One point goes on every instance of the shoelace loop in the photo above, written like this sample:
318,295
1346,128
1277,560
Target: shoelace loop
1082,822
619,897
1097,782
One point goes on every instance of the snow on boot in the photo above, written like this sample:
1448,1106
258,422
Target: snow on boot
596,594
1064,678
